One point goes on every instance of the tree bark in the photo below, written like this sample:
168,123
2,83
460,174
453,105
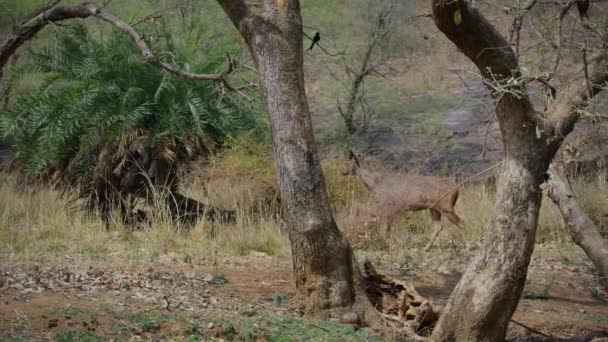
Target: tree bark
486,297
327,276
581,228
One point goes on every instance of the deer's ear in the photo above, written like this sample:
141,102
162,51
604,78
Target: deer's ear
356,159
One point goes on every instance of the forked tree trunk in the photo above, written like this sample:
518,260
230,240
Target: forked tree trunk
581,228
486,297
327,276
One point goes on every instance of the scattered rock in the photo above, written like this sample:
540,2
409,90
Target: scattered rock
350,318
53,323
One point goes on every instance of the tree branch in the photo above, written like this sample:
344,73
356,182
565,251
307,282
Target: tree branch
515,31
29,29
237,11
557,44
150,58
567,107
475,37
479,40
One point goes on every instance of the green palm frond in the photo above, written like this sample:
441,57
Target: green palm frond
97,93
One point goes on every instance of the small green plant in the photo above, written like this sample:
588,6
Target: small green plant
107,307
195,328
279,299
146,322
597,318
219,279
595,292
540,295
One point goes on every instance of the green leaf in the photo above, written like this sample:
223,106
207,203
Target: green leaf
457,17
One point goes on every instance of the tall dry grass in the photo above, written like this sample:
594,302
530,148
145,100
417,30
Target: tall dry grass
36,224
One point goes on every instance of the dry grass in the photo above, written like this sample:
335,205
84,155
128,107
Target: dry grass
36,224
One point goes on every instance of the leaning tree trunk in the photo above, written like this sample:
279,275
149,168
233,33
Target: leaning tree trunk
327,276
487,295
582,229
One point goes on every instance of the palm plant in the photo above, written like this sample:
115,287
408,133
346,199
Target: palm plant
114,126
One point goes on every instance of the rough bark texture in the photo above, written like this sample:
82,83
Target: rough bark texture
327,276
484,300
582,229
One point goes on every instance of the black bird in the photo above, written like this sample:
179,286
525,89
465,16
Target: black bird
315,40
583,7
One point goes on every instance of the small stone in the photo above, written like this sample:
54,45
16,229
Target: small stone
210,325
53,323
350,318
581,310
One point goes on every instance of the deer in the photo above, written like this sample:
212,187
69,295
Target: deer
398,192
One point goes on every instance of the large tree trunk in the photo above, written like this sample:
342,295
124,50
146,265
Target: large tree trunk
486,297
327,276
582,229
484,300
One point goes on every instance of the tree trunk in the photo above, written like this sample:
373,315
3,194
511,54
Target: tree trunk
487,295
583,231
327,276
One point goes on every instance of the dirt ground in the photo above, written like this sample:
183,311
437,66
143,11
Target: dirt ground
68,300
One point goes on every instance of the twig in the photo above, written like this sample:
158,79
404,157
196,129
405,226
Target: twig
533,330
515,31
322,48
466,180
155,15
29,29
150,58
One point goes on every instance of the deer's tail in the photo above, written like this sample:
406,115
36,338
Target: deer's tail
454,198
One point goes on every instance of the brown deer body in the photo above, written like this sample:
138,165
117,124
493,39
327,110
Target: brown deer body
397,192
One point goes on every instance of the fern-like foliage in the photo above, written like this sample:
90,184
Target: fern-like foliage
102,118
100,95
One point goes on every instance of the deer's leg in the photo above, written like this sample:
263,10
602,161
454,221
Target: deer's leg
437,227
460,224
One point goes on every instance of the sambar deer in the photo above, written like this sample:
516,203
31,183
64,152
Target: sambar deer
397,192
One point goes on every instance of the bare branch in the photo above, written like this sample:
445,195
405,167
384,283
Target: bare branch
558,36
322,48
515,31
379,33
150,58
29,29
156,14
567,107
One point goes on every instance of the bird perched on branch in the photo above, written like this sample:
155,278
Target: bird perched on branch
315,40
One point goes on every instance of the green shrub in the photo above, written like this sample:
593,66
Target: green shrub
108,122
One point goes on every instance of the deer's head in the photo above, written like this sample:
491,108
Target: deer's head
353,165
